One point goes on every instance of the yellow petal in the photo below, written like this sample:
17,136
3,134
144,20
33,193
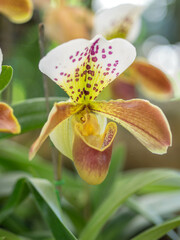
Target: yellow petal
59,113
62,137
92,151
143,119
8,122
18,11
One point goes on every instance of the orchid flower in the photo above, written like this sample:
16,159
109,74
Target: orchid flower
150,80
78,128
8,122
64,23
18,11
124,21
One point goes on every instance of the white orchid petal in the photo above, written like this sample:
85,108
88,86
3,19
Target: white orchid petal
84,68
120,20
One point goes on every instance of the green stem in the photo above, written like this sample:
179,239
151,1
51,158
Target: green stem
55,159
42,52
57,163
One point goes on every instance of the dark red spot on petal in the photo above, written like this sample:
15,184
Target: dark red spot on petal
88,66
94,59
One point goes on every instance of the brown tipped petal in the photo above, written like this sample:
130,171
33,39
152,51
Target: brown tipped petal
8,122
143,119
59,112
92,158
18,11
153,82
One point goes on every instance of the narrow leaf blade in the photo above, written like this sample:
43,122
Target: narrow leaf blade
45,197
156,232
124,189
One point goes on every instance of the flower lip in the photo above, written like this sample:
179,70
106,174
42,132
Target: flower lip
92,153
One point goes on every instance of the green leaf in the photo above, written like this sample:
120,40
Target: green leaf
126,187
20,192
5,235
116,227
156,232
8,180
15,158
161,186
149,213
32,113
5,77
45,197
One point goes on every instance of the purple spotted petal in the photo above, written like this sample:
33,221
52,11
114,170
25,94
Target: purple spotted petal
84,68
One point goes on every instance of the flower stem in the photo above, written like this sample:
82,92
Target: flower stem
42,53
54,154
57,163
